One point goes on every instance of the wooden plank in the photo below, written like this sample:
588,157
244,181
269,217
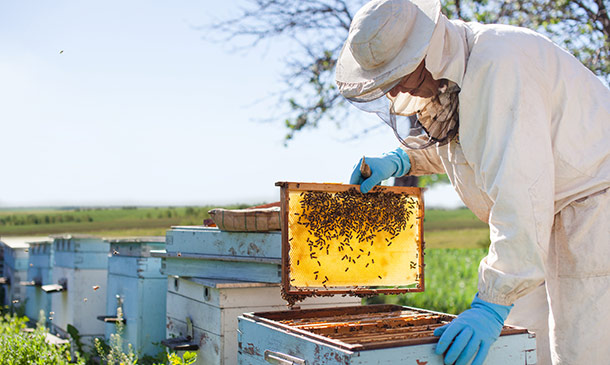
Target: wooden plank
313,313
257,297
198,256
338,187
507,350
284,204
82,260
230,284
135,267
212,241
247,271
255,338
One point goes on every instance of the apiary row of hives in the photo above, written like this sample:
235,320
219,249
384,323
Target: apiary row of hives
79,281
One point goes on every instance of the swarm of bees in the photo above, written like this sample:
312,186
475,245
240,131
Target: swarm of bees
341,217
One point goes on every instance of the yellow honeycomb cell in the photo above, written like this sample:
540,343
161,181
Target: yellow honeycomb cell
348,239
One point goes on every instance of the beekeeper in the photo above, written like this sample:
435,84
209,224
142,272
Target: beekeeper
522,129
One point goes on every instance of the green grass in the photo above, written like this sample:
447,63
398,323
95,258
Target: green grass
441,219
451,278
457,238
101,221
442,228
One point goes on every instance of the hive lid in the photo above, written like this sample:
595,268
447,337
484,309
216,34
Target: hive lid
336,240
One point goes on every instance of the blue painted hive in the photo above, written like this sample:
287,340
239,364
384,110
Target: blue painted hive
136,285
40,272
215,276
195,251
80,272
14,271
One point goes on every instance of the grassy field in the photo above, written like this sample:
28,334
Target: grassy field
442,228
450,281
121,221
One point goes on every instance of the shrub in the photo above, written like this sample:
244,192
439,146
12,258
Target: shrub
18,347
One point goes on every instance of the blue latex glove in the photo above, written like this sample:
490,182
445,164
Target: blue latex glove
395,163
472,332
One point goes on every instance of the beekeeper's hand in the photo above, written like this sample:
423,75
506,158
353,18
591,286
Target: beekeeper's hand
472,332
395,163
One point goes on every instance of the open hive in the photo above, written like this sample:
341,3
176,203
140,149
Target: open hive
364,327
336,240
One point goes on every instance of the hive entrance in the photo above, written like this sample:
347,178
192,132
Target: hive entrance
337,240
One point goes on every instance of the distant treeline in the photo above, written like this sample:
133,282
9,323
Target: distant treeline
22,220
87,215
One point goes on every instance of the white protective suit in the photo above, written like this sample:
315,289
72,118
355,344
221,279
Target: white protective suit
533,160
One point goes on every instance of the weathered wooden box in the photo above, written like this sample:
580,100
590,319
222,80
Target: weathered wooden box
80,274
15,251
376,334
211,253
40,272
202,313
136,285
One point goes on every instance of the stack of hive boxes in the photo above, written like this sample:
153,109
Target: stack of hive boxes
136,285
215,276
80,272
39,273
14,270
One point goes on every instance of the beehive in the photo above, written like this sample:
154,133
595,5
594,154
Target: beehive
15,250
39,273
198,251
214,280
137,286
78,296
375,334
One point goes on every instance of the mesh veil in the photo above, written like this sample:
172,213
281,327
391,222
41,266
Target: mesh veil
417,122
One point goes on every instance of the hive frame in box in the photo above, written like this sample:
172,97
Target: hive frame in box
273,319
290,293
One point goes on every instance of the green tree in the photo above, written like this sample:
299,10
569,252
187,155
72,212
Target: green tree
318,29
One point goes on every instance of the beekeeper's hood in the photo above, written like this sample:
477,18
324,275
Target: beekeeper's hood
387,40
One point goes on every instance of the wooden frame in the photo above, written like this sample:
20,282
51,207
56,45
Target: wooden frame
299,293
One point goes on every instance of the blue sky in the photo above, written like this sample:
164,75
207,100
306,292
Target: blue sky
116,103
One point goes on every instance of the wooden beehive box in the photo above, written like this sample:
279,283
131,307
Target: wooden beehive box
40,272
374,334
196,251
137,286
215,276
78,294
16,251
202,313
